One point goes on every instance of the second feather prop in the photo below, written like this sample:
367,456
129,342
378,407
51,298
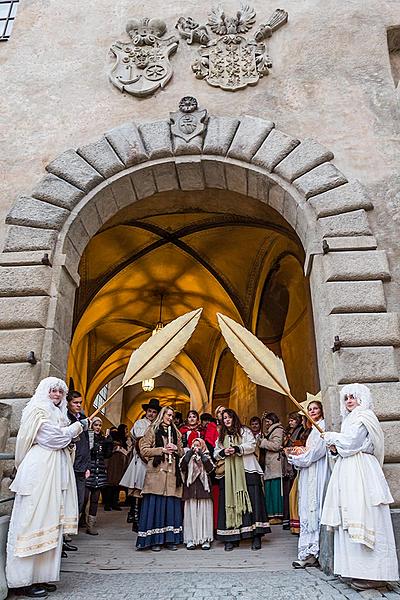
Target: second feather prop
156,354
262,366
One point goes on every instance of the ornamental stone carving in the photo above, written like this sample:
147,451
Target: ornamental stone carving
230,60
142,65
188,122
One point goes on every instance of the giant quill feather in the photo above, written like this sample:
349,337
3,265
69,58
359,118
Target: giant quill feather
156,354
260,363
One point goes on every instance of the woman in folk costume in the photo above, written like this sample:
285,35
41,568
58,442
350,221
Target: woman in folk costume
219,465
46,504
160,521
191,429
241,511
134,475
313,467
358,497
196,465
272,443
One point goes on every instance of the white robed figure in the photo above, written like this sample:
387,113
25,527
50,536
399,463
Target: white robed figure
358,497
45,505
313,467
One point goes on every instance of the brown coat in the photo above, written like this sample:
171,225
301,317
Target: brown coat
273,443
159,480
196,489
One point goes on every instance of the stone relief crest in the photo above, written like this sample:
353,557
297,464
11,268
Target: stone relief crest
230,60
142,65
188,122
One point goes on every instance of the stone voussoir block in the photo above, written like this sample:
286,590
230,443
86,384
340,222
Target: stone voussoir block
303,158
74,169
30,212
249,136
274,149
123,191
219,135
24,311
21,238
102,157
356,266
320,179
257,185
351,242
34,280
190,174
354,296
366,365
348,197
353,223
214,173
366,329
90,218
127,144
156,137
236,178
144,183
105,204
165,176
18,380
54,190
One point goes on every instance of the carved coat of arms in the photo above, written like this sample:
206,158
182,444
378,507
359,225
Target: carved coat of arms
142,65
188,122
231,61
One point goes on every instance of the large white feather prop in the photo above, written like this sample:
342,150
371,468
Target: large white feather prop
156,354
261,365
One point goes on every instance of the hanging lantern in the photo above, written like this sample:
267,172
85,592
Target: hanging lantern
148,385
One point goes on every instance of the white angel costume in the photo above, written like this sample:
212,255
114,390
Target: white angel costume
134,475
45,505
313,467
358,497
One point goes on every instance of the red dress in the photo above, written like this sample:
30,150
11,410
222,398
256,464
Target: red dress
190,433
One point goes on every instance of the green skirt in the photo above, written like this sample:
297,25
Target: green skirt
273,498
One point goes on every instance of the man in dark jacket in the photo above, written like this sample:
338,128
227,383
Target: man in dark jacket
82,450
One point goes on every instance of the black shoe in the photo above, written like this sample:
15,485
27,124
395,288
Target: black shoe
32,591
64,554
49,587
229,546
69,547
130,518
256,543
171,547
116,507
135,526
236,543
156,548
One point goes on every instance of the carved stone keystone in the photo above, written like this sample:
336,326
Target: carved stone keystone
188,122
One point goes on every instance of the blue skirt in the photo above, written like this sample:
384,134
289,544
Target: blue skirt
160,521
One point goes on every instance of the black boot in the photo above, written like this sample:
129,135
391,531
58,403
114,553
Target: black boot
229,546
256,543
131,514
32,591
136,515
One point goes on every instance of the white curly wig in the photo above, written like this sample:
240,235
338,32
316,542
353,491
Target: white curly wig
362,394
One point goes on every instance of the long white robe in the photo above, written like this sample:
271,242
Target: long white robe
313,467
45,507
357,503
135,473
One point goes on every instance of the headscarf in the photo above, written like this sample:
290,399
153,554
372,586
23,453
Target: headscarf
40,409
196,468
364,413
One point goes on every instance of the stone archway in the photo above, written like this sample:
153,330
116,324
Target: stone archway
49,230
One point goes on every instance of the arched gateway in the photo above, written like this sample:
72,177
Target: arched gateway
251,163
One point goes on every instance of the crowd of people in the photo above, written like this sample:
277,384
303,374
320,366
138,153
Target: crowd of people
209,477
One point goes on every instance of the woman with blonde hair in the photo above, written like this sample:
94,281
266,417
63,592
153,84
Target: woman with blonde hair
160,521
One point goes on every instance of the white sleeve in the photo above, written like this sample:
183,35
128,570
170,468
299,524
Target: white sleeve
349,443
140,428
55,437
248,445
311,455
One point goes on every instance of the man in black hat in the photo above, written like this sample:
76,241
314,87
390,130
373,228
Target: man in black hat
133,478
